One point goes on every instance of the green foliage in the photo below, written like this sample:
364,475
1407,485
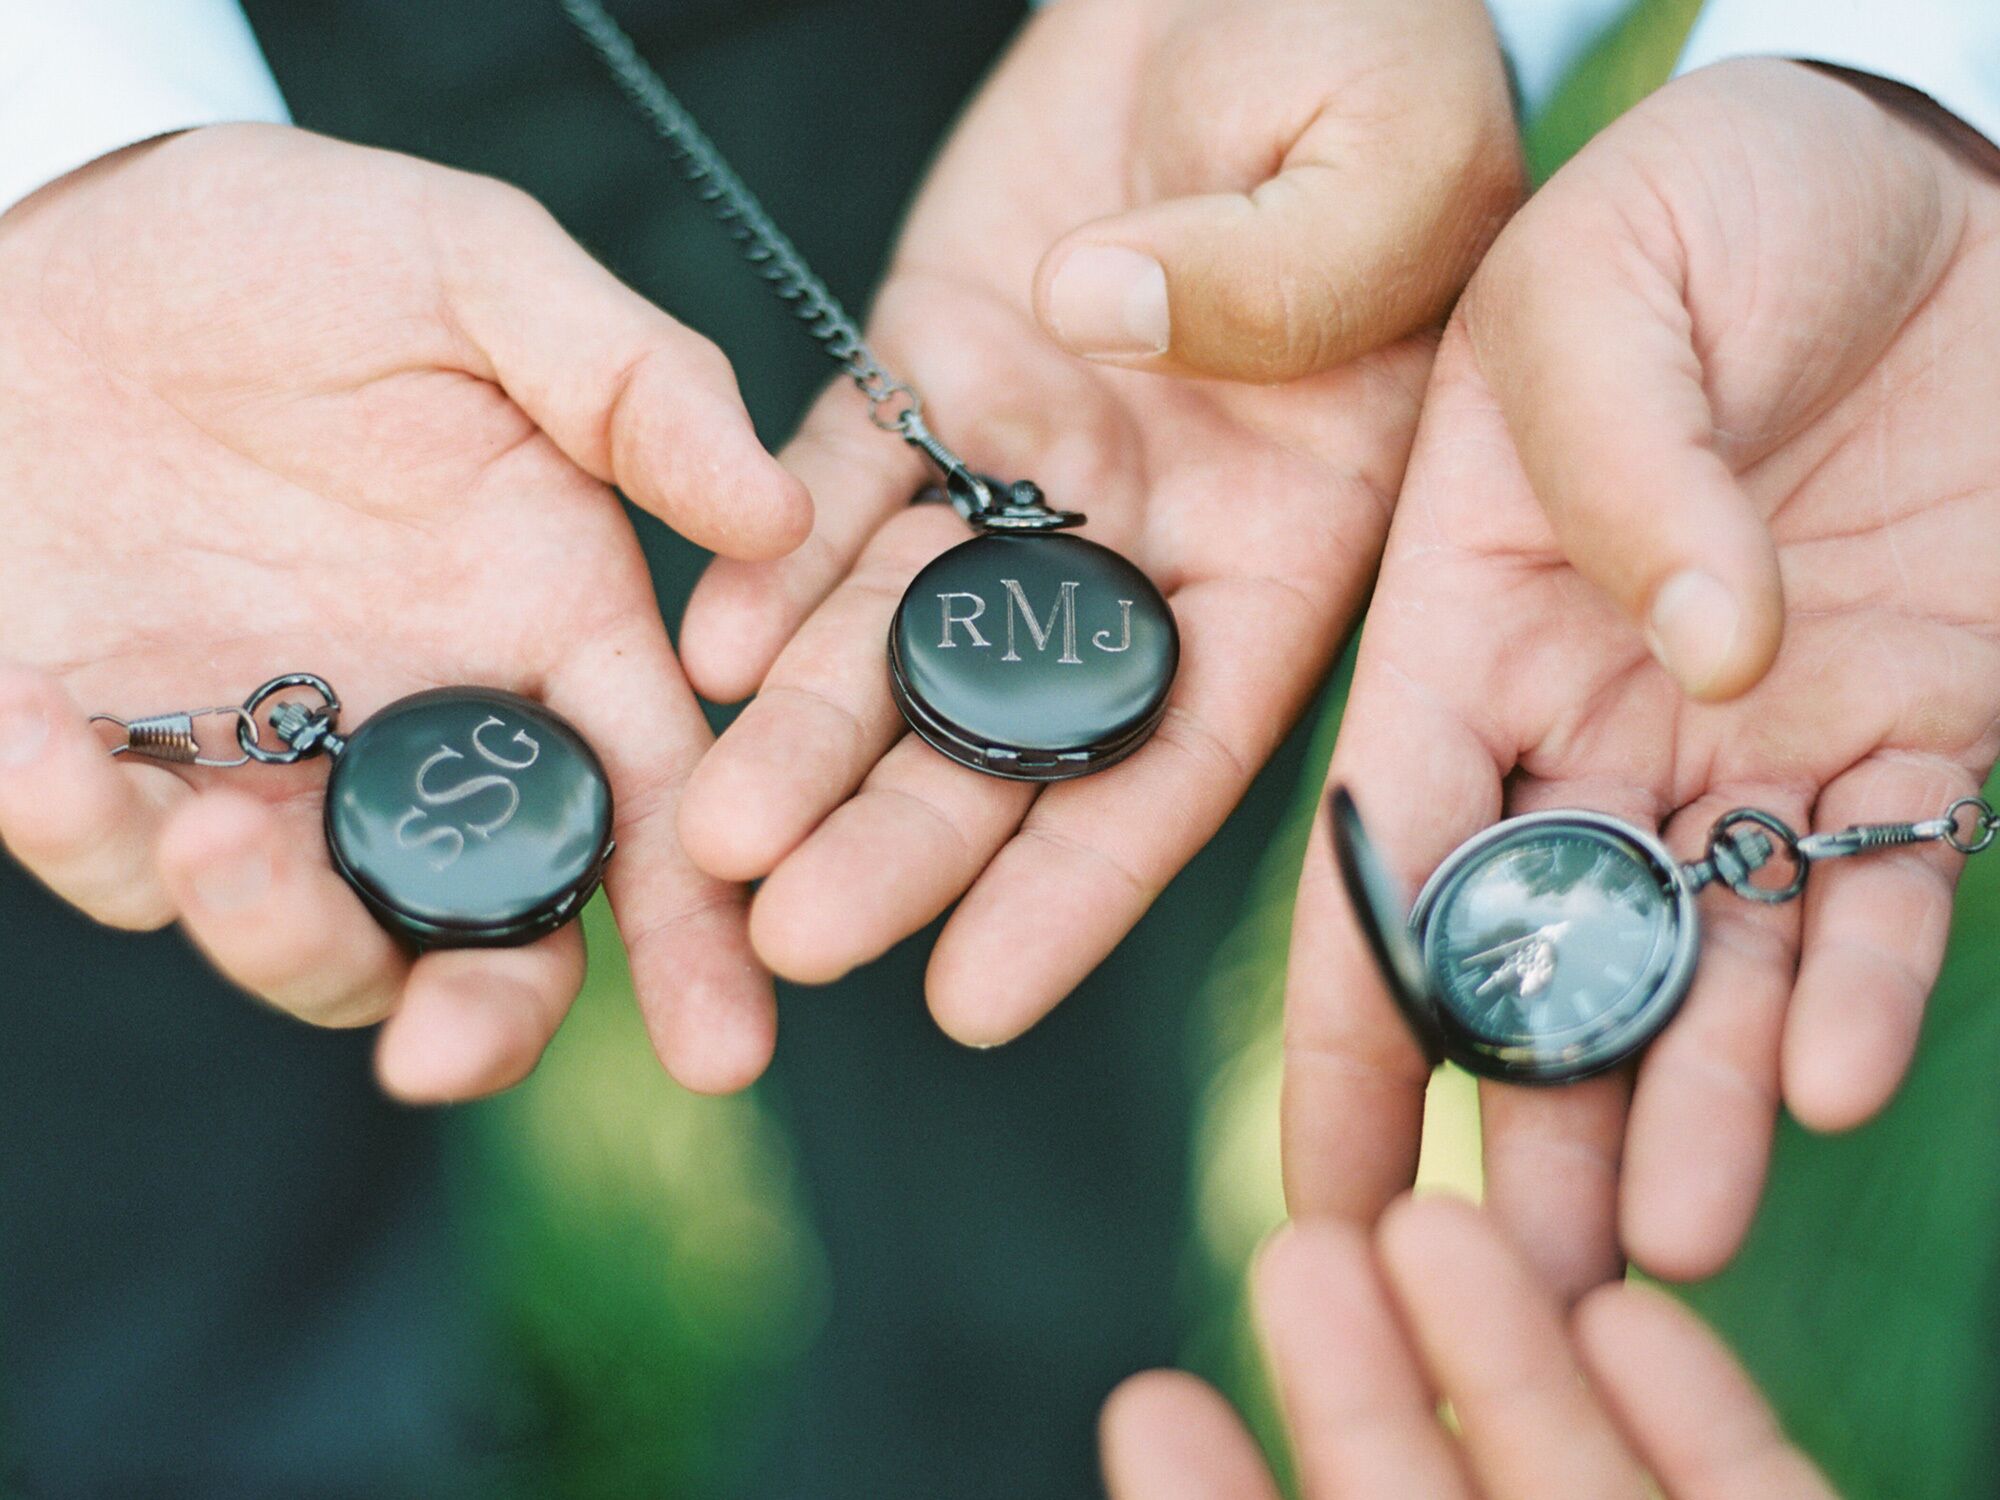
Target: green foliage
646,1260
1867,1301
1632,58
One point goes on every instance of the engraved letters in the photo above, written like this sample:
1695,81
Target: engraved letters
450,840
1102,639
950,619
1065,606
956,612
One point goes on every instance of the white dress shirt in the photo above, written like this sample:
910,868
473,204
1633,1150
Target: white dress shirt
79,78
1949,49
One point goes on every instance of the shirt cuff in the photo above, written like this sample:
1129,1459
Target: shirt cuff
1948,49
82,78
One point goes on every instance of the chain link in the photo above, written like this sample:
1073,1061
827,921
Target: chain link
1735,856
893,404
1985,828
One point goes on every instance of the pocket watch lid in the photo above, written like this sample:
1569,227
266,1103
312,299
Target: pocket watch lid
1385,921
1036,656
469,817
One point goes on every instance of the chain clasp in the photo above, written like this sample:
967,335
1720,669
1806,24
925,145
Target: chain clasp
302,730
171,737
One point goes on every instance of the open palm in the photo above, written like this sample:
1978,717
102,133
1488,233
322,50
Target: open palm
276,404
1732,373
1259,511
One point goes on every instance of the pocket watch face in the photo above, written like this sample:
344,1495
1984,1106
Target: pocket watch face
1558,943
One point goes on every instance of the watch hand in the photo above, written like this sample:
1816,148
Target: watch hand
1547,933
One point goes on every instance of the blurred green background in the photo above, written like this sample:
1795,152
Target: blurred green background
657,1276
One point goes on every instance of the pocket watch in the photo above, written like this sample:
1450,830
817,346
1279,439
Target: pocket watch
1023,653
463,817
1028,653
1556,945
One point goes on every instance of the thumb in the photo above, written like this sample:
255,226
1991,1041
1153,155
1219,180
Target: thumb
1273,250
1579,324
1305,273
630,395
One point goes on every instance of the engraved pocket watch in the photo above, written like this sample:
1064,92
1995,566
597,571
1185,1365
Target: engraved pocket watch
463,817
1556,945
1023,652
1032,655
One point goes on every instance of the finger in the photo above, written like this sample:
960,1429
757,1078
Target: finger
1706,1101
1427,777
1552,1155
475,1021
1686,1405
1100,849
630,395
1366,230
1165,1435
1587,343
917,834
1551,1176
1362,1415
824,716
75,819
742,614
1354,1075
707,1002
1307,271
256,893
1874,938
1494,1343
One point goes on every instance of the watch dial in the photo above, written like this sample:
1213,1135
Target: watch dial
1546,938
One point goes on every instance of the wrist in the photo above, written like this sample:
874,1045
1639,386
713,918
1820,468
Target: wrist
52,195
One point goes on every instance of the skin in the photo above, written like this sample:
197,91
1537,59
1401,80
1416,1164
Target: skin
272,403
1746,333
1630,1396
1312,185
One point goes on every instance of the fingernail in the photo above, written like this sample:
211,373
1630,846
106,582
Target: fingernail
22,735
1693,628
1107,302
237,882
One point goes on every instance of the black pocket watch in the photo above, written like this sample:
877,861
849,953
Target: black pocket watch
1022,653
1557,945
463,817
1028,653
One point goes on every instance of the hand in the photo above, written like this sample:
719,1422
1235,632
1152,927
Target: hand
1365,1341
271,403
1730,374
1355,139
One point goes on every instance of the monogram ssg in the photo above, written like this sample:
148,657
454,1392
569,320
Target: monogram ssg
464,817
469,817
